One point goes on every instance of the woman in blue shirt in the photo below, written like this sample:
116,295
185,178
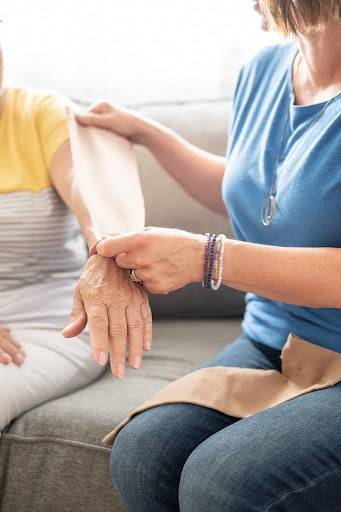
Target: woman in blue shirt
282,190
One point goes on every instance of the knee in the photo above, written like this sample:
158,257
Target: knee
208,484
140,451
9,408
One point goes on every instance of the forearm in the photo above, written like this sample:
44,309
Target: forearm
198,172
306,276
65,182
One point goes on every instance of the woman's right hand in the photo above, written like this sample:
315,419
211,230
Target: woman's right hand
120,120
10,350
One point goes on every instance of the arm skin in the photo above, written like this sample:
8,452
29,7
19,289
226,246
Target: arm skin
168,259
199,172
115,308
64,181
304,276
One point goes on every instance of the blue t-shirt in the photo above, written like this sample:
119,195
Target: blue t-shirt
308,187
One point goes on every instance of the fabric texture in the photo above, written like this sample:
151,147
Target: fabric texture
308,186
58,445
243,392
203,124
53,366
116,203
40,239
32,126
190,458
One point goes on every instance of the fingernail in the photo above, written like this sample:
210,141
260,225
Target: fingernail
137,362
7,358
120,369
149,345
102,358
19,358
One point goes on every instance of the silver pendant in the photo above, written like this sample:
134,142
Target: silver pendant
269,210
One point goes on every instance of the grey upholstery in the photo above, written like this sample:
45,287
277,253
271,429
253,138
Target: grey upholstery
51,458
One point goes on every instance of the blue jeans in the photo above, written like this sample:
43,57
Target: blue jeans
188,458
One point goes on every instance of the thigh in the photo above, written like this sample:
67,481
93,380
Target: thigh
246,353
284,459
150,451
53,367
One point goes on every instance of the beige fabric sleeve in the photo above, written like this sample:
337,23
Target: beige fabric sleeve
108,178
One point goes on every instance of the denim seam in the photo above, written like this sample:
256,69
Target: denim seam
300,489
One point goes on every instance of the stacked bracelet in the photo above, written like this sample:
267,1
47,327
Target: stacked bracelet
216,283
213,261
209,259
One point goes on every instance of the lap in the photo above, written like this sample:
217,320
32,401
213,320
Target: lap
53,367
284,459
177,421
246,353
170,432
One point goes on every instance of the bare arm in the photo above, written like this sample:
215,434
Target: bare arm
115,308
199,172
169,259
65,182
304,276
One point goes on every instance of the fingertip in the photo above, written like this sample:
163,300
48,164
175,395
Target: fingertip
71,330
102,248
82,119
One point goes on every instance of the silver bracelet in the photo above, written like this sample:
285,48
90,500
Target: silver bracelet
215,284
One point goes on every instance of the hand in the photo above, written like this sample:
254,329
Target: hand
116,309
121,121
164,259
10,349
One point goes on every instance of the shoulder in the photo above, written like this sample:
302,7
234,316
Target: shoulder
266,64
42,116
36,103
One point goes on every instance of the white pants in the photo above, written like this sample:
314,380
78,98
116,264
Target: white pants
53,367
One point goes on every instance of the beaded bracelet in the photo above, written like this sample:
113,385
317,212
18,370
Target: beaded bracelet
213,261
212,255
216,283
206,257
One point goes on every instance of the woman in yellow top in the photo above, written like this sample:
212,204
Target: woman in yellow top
41,257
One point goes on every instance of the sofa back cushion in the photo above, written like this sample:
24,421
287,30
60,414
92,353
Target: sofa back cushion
167,205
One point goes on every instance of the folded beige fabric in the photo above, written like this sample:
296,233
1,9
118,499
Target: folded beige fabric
242,392
108,178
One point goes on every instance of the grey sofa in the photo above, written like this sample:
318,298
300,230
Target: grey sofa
51,458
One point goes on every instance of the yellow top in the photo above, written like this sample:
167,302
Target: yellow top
32,126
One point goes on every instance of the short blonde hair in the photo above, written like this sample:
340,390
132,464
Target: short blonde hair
298,16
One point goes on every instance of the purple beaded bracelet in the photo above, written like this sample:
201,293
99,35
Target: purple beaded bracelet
213,250
209,259
206,258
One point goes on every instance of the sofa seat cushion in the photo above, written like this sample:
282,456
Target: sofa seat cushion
58,444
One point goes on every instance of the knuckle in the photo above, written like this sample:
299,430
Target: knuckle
118,329
98,322
136,325
140,239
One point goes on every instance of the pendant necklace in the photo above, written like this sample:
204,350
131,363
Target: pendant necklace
270,205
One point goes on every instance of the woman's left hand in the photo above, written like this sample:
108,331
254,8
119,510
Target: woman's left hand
164,259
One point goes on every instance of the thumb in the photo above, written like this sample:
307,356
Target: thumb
78,318
94,119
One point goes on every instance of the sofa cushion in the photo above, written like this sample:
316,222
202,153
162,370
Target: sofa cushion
58,444
167,205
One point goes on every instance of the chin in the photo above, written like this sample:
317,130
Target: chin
264,22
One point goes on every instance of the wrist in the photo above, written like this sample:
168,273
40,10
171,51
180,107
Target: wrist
197,261
148,133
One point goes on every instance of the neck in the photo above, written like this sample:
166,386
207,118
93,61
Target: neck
320,55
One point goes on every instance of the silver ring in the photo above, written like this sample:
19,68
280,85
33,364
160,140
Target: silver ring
134,277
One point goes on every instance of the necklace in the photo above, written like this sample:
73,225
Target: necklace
270,204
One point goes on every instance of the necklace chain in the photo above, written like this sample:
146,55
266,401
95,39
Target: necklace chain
270,205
